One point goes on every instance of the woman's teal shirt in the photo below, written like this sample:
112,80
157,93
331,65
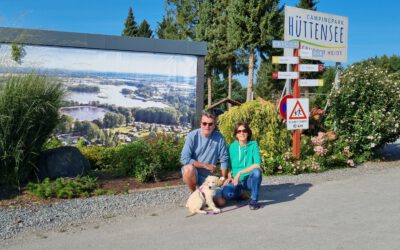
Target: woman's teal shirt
242,157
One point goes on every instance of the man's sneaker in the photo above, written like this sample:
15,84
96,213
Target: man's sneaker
254,205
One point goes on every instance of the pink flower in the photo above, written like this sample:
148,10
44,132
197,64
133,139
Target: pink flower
351,163
319,150
280,167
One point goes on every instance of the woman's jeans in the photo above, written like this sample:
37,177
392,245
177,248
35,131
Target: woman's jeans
252,183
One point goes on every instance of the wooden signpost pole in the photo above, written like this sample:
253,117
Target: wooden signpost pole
296,94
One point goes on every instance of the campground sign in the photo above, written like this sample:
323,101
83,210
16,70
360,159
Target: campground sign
324,35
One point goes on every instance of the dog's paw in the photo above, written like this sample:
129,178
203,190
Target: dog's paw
217,210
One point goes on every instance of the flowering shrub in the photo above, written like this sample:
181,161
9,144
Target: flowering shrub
366,109
318,153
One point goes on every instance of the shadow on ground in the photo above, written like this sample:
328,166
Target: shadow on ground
391,152
273,194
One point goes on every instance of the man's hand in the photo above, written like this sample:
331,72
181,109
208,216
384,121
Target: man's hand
210,167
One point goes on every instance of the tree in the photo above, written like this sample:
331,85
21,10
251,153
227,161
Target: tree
183,15
265,86
144,30
167,29
17,52
250,27
209,30
131,28
307,4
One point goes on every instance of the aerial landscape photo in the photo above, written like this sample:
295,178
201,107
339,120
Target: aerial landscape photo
113,97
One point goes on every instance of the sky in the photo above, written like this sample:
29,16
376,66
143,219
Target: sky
374,27
92,60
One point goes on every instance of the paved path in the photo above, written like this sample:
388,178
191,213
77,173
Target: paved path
357,212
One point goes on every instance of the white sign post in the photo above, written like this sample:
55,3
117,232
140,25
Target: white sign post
297,113
324,35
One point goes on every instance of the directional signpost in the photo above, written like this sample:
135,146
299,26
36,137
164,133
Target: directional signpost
285,75
285,44
311,67
311,82
285,59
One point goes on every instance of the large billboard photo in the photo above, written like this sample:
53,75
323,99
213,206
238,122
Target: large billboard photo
121,94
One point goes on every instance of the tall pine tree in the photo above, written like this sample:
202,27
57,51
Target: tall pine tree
249,27
144,30
130,25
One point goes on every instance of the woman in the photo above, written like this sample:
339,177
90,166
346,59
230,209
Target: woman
245,171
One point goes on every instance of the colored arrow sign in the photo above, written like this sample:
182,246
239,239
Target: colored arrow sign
285,44
311,67
285,59
311,82
285,75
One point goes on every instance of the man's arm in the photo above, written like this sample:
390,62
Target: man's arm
223,157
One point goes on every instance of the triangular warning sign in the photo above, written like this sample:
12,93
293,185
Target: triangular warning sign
297,112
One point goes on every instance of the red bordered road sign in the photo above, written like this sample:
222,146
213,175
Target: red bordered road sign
283,105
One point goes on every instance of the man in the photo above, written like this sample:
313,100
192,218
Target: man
203,148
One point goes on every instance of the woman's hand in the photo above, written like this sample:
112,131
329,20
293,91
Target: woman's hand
227,181
236,179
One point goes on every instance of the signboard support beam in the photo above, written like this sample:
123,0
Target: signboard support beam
296,94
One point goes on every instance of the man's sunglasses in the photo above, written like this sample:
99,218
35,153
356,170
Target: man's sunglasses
207,123
241,131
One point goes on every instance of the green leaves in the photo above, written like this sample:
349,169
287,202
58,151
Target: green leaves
265,122
366,108
29,111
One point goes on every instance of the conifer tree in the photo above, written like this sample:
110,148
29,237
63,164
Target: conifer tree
130,25
144,30
250,28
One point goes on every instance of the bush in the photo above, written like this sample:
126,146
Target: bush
318,153
140,161
150,160
100,157
65,188
267,126
29,111
365,111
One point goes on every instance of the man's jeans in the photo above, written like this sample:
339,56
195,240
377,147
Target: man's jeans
252,183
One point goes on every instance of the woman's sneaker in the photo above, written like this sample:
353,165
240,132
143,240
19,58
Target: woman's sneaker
254,205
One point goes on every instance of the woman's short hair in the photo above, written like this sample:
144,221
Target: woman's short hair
246,126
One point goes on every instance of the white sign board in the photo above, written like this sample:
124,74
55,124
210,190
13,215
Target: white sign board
285,59
311,67
297,113
323,34
285,75
284,44
311,82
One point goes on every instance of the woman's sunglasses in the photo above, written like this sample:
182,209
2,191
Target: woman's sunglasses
241,131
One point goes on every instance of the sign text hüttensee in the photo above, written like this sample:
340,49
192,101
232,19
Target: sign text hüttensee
324,34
